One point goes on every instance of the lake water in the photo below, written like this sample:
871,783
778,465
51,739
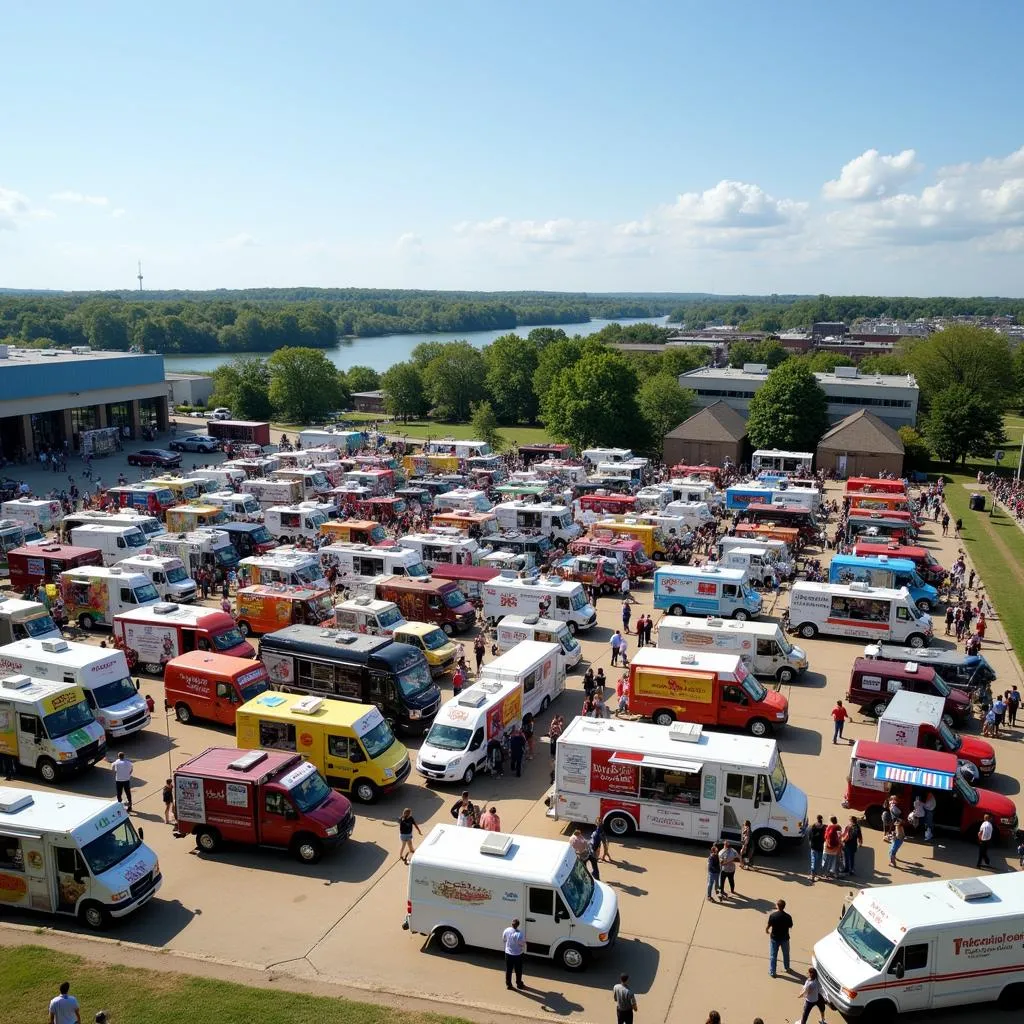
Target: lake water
382,353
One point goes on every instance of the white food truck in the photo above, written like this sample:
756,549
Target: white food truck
368,615
76,855
858,610
288,522
208,548
167,574
20,619
926,946
43,514
463,499
292,568
776,551
549,597
762,646
467,884
444,546
114,542
677,781
102,674
94,594
242,508
149,525
362,564
538,517
512,689
513,629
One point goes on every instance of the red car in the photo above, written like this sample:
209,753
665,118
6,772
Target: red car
155,457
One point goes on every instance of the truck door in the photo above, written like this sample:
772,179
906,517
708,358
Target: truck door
339,771
278,817
768,657
546,919
910,978
70,878
30,738
739,802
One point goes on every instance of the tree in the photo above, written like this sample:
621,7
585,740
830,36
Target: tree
454,380
107,331
252,399
741,352
679,359
771,352
892,364
826,362
976,358
542,336
361,378
916,453
663,405
403,391
789,410
303,384
553,358
960,422
593,401
511,363
485,425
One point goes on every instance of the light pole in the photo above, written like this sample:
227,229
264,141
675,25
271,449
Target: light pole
1020,459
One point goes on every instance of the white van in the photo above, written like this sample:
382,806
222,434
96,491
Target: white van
168,575
114,542
241,507
801,497
359,564
45,515
756,563
676,781
288,522
858,610
762,646
550,597
444,546
368,615
102,675
293,568
20,619
74,855
688,490
463,499
926,946
654,497
460,449
226,477
776,550
273,492
538,517
513,688
312,481
513,629
149,525
707,589
693,513
467,884
598,455
206,547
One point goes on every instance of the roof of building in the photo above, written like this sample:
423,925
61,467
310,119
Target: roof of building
368,394
170,375
49,356
716,422
863,431
848,378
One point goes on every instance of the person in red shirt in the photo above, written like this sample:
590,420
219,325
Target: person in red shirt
839,716
458,680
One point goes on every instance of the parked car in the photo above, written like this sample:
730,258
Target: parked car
155,457
195,443
220,413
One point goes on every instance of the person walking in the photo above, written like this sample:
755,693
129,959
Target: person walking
810,993
64,1007
515,948
949,618
853,839
490,821
516,750
898,835
839,717
123,769
985,833
616,644
625,1001
458,681
479,648
648,630
816,836
833,848
727,859
627,611
406,823
599,841
554,731
713,871
780,924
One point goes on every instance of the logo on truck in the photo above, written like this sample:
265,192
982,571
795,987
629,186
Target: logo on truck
461,892
676,688
984,945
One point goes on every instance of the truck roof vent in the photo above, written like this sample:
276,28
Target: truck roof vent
164,608
491,685
860,586
308,705
509,574
16,682
968,889
474,697
345,638
685,732
362,600
531,620
712,621
55,646
496,844
14,800
687,658
50,547
911,666
248,760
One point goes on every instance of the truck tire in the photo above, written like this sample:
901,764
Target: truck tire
677,609
658,556
606,589
244,628
663,717
153,668
619,824
572,956
307,848
741,615
768,842
85,623
1012,997
183,713
808,630
364,791
451,939
47,769
208,840
916,640
469,775
284,540
448,628
759,727
881,1011
924,605
94,916
878,708
785,674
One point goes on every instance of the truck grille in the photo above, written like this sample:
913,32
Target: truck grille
187,595
432,710
403,770
827,980
90,752
142,886
428,766
348,823
139,716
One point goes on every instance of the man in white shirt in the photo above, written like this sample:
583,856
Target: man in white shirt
985,833
123,778
515,948
64,1008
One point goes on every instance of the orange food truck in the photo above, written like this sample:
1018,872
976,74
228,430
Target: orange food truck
873,485
267,607
480,523
353,531
201,684
768,531
880,502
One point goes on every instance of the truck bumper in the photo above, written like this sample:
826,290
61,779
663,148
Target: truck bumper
124,909
129,730
82,763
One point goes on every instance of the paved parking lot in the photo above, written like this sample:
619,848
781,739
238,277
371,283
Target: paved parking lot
340,920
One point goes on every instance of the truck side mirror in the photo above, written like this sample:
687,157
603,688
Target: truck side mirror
898,969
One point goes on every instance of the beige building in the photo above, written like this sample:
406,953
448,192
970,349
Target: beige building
860,445
708,437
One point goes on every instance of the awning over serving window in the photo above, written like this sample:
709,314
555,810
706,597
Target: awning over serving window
924,778
649,761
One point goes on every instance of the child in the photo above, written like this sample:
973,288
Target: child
168,795
150,704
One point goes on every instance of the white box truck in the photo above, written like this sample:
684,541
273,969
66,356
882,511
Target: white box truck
513,629
44,515
94,594
466,885
20,619
858,610
513,688
926,946
775,550
549,597
102,674
114,542
538,517
762,646
289,522
167,574
204,548
73,855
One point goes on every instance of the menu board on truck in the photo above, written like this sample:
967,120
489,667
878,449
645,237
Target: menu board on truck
189,799
695,688
154,644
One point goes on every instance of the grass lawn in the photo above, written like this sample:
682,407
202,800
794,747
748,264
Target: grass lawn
29,976
465,432
996,546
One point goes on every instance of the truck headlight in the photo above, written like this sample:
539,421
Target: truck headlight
414,714
780,716
66,755
389,773
1008,821
988,760
113,722
332,831
603,937
118,896
849,993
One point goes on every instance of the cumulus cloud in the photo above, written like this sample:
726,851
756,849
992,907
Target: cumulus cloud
12,206
79,198
559,231
243,240
872,175
119,212
736,204
409,244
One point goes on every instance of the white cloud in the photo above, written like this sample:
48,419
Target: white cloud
736,204
872,175
408,242
243,240
119,212
13,205
79,198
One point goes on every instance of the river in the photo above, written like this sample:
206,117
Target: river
383,352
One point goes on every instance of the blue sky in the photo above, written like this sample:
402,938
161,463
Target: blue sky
729,147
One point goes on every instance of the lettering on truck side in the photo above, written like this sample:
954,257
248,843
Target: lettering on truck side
979,947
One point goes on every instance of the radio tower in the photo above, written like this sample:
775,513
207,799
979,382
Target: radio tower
140,275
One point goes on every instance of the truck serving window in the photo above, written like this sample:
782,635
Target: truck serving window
865,939
277,735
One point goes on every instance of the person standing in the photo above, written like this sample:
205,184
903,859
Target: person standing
554,731
833,848
853,839
812,997
816,835
625,1001
627,611
406,823
713,871
727,858
616,644
490,821
123,769
479,647
985,833
458,680
780,924
746,845
515,948
516,749
599,841
1012,705
168,799
64,1007
839,716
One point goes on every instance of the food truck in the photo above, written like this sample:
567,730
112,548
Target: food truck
295,568
874,682
515,628
883,571
353,531
167,574
201,684
43,563
424,599
149,498
113,542
94,595
208,548
20,619
183,518
43,514
706,590
363,614
549,597
265,607
858,610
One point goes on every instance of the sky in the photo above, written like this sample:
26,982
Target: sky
575,145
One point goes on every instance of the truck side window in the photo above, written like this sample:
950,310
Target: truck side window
903,614
542,901
730,590
127,597
67,861
530,682
11,857
915,958
29,723
478,738
224,690
337,746
121,542
274,803
766,648
562,602
764,791
741,787
277,735
733,695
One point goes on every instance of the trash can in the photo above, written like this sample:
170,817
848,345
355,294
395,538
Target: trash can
977,503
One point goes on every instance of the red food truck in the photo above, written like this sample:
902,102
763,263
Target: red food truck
428,600
616,504
259,798
470,578
246,431
630,552
34,564
201,684
869,484
149,499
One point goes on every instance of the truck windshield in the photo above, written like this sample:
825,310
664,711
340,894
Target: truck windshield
310,793
448,737
319,609
250,506
136,539
319,481
111,848
113,693
414,679
39,626
941,686
390,618
416,569
255,688
454,598
435,639
779,780
378,739
261,535
865,939
226,555
60,723
569,643
150,527
378,533
966,790
578,889
164,497
951,741
177,574
228,639
578,601
146,593
308,574
783,643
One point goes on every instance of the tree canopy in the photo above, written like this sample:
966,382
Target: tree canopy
788,411
962,422
404,395
304,384
511,363
454,379
663,405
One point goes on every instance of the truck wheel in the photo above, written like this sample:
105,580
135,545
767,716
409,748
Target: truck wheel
47,769
663,717
245,629
85,623
658,556
153,668
785,674
808,631
948,720
469,775
768,842
1012,998
448,628
741,615
572,956
545,704
284,540
677,609
878,708
873,816
364,791
308,849
882,1011
605,589
619,824
924,605
758,727
183,713
572,627
450,939
94,916
915,640
208,840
